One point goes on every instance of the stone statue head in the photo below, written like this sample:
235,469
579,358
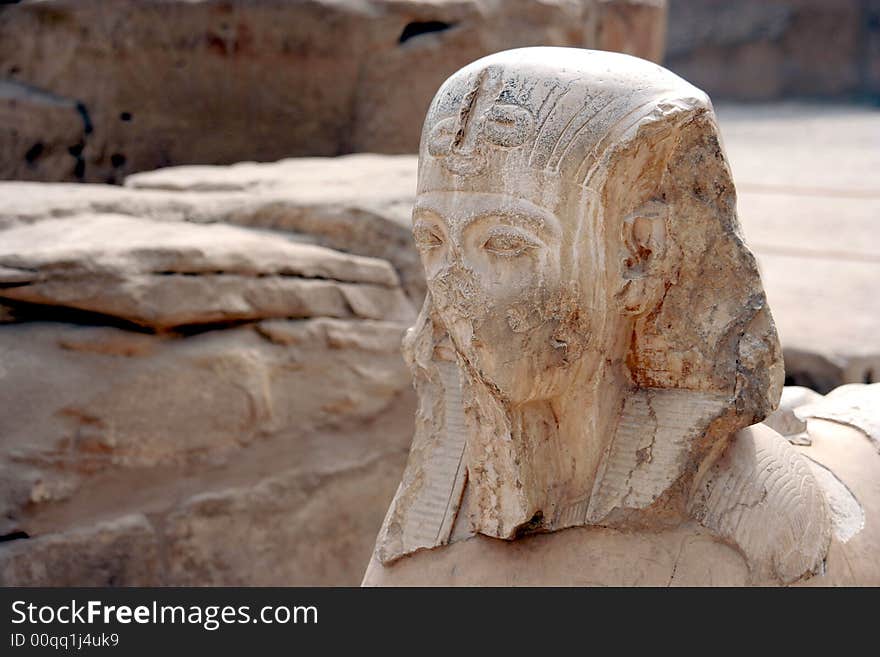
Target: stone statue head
594,327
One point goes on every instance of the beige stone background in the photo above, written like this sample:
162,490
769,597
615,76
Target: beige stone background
200,378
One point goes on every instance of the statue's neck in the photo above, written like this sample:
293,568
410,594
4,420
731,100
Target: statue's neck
531,464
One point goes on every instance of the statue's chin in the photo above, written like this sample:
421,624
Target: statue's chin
516,375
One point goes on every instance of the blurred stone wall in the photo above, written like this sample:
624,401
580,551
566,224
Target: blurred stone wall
189,397
768,49
92,90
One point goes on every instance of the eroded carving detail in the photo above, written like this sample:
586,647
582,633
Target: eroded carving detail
595,331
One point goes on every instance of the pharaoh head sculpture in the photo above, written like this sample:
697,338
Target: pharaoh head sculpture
594,328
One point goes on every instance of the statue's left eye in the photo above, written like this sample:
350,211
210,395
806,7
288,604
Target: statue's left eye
508,241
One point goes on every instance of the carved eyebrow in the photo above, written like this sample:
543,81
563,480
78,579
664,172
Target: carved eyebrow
513,217
424,211
519,213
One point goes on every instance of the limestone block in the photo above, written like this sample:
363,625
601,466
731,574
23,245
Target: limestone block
121,401
150,362
357,203
165,275
297,528
332,202
162,82
122,552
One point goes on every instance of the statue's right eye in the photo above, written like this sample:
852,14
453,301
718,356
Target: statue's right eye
426,237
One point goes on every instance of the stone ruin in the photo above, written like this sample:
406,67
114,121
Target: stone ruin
89,93
156,337
596,349
158,429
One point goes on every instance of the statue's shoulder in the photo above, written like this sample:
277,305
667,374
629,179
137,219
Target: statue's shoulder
762,497
843,450
807,512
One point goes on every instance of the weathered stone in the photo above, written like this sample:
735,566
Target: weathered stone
786,200
357,203
187,360
856,405
312,524
333,202
683,556
761,49
267,79
338,203
596,348
786,421
295,529
122,405
170,274
122,552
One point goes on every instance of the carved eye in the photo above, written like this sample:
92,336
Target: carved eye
508,242
426,237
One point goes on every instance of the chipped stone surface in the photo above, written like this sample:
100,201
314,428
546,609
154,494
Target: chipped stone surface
785,420
847,515
164,275
192,360
587,278
843,464
854,501
121,552
763,497
335,203
132,421
785,196
144,83
332,202
856,405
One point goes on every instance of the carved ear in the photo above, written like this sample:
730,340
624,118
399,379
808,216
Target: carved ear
643,241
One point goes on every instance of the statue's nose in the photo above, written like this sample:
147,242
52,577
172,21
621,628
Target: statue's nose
455,286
